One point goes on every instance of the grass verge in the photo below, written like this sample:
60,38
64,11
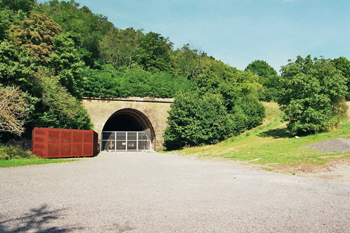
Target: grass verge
270,146
12,156
36,161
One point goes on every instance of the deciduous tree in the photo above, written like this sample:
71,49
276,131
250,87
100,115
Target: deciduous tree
16,5
154,52
14,110
119,47
57,107
261,68
197,120
312,95
35,34
343,64
188,61
268,78
8,18
89,28
65,62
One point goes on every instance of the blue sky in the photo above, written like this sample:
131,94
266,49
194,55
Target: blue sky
238,32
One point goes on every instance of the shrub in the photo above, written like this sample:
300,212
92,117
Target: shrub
14,152
312,95
110,83
252,109
197,120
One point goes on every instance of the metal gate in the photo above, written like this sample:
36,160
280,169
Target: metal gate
132,141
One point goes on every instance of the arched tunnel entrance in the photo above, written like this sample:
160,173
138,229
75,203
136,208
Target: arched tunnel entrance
127,130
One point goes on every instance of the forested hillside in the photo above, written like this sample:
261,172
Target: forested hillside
54,54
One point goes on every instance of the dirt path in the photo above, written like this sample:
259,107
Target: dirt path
337,170
152,192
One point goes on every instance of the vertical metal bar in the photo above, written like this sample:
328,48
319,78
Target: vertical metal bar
115,141
137,141
126,141
150,142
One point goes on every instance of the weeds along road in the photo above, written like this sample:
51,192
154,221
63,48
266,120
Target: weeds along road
152,192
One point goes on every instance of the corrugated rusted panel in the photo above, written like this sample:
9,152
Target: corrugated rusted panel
88,149
66,136
77,137
58,143
54,150
39,142
66,150
88,137
54,136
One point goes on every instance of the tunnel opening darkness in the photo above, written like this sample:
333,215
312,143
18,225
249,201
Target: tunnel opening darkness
127,130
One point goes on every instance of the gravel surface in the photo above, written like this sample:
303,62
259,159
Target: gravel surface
338,144
152,192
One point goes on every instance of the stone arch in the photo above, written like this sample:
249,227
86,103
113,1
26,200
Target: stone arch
149,111
129,119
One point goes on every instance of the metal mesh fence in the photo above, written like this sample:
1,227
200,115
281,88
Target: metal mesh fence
126,141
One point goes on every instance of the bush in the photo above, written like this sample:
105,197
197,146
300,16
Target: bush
14,152
217,107
312,95
56,107
109,83
267,77
253,110
197,120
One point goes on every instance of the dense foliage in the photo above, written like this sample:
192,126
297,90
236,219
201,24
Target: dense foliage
55,53
268,78
14,110
88,28
197,120
15,152
312,95
43,63
109,83
217,107
343,64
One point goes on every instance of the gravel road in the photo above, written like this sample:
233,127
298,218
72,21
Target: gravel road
152,192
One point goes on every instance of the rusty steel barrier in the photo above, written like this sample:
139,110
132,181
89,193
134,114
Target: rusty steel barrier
64,143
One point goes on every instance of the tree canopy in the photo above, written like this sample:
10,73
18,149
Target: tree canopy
14,110
36,58
219,105
312,95
261,68
268,78
56,53
18,5
343,64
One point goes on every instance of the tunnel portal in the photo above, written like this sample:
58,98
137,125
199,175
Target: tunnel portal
130,114
127,130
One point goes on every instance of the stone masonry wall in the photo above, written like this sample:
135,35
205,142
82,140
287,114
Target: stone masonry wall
155,109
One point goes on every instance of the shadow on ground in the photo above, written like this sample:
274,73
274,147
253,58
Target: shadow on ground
36,220
275,133
40,220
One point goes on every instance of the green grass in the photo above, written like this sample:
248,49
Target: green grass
270,144
13,156
35,161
